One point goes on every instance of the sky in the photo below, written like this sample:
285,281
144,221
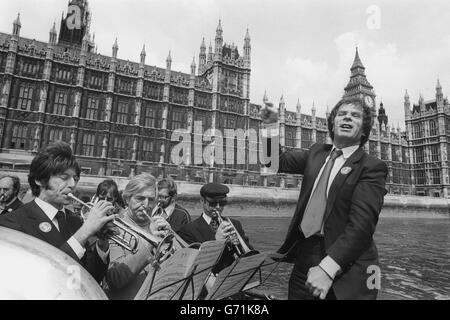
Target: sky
302,50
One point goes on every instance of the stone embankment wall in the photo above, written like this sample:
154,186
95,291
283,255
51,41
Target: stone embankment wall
267,201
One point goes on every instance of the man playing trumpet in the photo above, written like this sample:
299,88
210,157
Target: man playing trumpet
54,174
210,226
128,270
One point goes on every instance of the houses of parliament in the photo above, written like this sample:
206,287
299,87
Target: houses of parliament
119,116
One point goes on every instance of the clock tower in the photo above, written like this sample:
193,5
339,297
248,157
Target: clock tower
358,84
75,26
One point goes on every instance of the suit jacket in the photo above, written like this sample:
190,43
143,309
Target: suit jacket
13,206
27,220
199,231
178,218
354,203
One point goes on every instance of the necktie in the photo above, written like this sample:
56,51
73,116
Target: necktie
315,210
62,224
162,213
214,224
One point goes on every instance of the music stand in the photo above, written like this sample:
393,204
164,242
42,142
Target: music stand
234,278
186,269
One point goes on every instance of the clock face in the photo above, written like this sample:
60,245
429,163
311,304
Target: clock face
369,101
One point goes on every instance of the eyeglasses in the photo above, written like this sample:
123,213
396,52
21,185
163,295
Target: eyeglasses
161,197
214,203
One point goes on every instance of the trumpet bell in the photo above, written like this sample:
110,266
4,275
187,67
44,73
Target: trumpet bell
34,269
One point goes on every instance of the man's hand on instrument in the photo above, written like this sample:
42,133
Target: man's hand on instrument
95,221
268,114
159,226
318,282
224,231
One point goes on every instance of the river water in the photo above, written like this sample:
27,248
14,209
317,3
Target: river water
414,255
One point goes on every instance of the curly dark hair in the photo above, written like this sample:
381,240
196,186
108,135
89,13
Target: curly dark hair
367,117
56,158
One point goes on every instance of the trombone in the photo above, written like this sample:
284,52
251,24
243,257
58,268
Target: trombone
239,245
129,237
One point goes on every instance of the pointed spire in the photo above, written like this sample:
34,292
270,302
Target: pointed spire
421,98
203,46
313,107
17,21
143,54
169,61
438,84
247,35
219,26
406,94
115,48
53,35
17,25
265,99
327,112
53,30
282,99
298,106
357,62
193,62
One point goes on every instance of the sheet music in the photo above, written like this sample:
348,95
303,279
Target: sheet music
232,279
169,279
208,256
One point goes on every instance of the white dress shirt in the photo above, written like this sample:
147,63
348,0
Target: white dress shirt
168,210
50,211
206,218
328,264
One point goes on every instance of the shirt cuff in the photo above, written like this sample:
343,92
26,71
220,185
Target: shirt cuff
102,254
330,267
76,247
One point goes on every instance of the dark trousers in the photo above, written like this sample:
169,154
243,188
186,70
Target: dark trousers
309,254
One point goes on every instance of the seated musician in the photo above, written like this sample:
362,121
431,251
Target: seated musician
127,271
207,227
168,208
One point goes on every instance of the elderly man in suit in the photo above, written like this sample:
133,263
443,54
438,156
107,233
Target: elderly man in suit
54,173
9,190
330,237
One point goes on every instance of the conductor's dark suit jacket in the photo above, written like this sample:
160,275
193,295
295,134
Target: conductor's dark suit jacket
354,203
27,220
199,231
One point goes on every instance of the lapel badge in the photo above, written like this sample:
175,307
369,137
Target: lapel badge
346,170
45,227
10,210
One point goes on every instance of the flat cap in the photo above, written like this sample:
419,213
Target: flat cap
214,190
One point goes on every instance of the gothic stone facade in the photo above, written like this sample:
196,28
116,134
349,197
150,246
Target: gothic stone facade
119,116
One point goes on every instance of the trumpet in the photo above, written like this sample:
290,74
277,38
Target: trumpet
179,240
239,245
129,237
